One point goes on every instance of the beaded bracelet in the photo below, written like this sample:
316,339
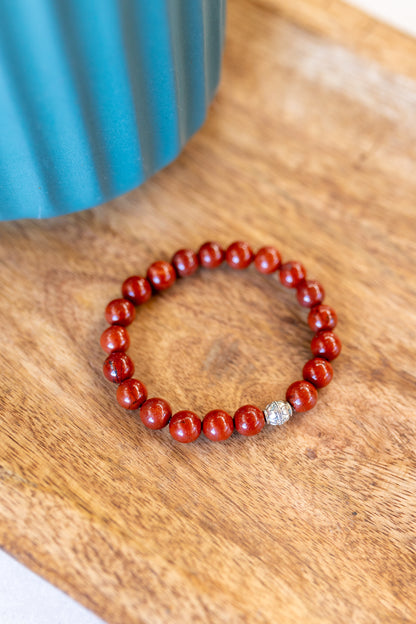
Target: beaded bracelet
185,426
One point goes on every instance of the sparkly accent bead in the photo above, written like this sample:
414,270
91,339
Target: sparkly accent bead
278,412
120,312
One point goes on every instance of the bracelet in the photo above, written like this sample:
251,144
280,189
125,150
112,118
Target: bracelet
186,426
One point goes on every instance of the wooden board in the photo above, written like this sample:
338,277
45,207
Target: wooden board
310,146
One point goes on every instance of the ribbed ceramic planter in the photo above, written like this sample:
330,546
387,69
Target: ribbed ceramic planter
97,95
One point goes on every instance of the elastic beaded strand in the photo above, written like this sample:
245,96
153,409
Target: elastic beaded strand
217,425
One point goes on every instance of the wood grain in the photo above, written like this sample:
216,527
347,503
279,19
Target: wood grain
311,146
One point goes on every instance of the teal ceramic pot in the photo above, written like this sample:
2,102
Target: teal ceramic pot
97,95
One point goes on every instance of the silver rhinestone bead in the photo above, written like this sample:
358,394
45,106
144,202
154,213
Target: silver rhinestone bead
278,412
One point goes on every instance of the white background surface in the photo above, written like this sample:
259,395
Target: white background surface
399,13
26,598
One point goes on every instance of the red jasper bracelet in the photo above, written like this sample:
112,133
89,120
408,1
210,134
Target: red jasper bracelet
185,426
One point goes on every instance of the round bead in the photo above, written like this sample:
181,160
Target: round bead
155,413
318,371
302,396
310,293
278,412
118,367
185,262
161,275
185,426
267,260
131,394
239,255
115,338
211,255
217,425
326,344
322,317
136,289
292,274
120,312
249,420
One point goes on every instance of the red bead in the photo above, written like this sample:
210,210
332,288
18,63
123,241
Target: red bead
267,260
326,344
118,367
211,255
318,371
120,312
217,425
155,413
161,275
185,262
322,317
302,396
310,293
115,338
131,394
136,289
291,274
239,255
185,426
249,420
